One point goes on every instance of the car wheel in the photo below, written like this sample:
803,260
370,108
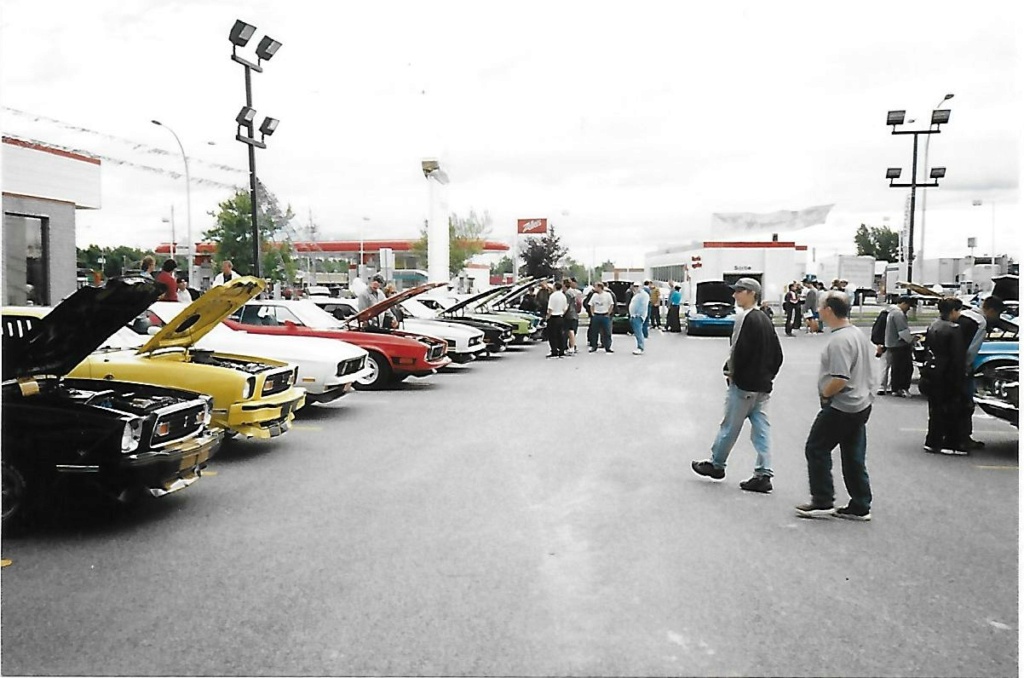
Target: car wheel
380,372
16,497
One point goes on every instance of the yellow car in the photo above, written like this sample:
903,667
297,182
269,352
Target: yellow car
252,397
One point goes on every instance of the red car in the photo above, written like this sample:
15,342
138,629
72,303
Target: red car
394,354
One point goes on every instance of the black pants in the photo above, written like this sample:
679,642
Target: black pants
902,367
792,318
945,417
556,335
673,318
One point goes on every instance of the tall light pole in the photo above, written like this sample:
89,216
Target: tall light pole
188,205
924,196
240,35
895,119
438,246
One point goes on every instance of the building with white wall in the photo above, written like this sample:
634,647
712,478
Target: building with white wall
42,187
773,263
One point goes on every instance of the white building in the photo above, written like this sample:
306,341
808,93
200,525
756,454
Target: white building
772,263
43,186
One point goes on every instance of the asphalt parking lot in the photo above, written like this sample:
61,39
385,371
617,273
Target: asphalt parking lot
527,516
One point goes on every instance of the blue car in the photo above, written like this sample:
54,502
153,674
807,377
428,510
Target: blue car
714,310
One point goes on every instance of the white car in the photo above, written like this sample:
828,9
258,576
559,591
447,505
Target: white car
464,343
327,368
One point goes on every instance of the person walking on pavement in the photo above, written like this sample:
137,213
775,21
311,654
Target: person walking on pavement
845,391
600,307
791,305
557,306
656,307
898,344
639,304
942,381
811,308
754,361
675,299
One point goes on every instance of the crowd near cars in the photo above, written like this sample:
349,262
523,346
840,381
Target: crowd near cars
121,395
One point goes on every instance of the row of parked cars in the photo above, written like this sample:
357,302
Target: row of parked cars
122,395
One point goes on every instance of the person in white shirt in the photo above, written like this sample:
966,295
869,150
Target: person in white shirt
227,272
601,306
638,307
558,304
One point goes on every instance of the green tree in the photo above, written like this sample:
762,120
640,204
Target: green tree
881,243
233,234
504,265
465,239
542,257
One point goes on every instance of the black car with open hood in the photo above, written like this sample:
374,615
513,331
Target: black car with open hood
123,439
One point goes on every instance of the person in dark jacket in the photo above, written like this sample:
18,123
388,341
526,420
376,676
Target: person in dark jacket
754,361
942,380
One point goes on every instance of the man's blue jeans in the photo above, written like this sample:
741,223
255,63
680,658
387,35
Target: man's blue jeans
637,323
740,406
849,431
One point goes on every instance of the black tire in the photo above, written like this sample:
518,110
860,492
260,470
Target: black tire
17,498
381,373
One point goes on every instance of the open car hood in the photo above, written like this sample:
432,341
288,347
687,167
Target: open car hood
1007,287
76,327
395,299
477,298
714,291
206,312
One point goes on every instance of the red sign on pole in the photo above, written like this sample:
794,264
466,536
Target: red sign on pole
531,226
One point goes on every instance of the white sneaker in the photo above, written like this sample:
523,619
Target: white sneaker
638,351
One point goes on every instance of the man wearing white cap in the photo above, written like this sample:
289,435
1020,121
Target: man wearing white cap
754,360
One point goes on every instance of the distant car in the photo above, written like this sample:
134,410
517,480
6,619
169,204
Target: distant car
464,343
118,437
253,396
393,354
327,368
713,310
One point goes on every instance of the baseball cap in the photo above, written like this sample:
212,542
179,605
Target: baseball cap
747,284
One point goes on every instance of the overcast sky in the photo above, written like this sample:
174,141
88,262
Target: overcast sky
625,124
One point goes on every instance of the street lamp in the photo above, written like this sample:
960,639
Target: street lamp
188,205
240,35
895,119
927,143
438,246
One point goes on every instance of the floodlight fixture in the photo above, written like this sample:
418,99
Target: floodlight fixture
241,33
268,126
267,48
893,173
940,117
895,117
938,172
246,116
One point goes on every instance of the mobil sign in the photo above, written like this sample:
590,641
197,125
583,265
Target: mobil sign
531,226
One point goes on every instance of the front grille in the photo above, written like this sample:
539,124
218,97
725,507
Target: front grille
351,366
435,352
277,382
177,424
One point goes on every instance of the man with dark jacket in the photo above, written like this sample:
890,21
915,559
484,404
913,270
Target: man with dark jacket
942,380
754,361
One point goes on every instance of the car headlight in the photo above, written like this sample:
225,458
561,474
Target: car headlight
249,388
131,435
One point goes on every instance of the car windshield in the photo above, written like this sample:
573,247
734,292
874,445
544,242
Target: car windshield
418,309
302,312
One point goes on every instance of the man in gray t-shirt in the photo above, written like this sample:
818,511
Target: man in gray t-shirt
845,388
